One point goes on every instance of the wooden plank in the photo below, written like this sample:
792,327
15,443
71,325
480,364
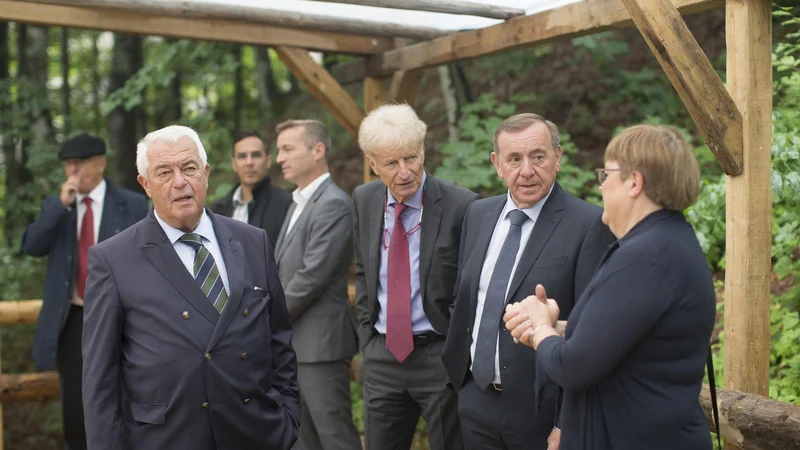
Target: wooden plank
749,199
566,22
405,83
693,76
29,387
374,97
442,6
20,312
263,15
323,87
188,28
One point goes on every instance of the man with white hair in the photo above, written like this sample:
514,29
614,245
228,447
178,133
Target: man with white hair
406,264
187,338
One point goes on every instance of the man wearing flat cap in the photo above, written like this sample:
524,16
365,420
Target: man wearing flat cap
88,210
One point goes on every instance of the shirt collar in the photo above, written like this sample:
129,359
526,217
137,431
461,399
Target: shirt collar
302,196
205,228
237,197
97,194
532,212
415,201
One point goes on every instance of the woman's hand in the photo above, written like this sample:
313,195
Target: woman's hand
529,315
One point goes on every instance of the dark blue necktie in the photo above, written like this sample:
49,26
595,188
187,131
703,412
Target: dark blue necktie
495,302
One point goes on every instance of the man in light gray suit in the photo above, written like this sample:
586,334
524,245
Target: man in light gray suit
186,338
314,252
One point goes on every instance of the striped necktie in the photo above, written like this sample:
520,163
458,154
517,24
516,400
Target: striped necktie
206,272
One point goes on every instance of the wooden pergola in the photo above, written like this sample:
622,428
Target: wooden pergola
735,118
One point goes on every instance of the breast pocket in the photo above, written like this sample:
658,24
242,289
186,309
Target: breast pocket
152,413
550,262
255,311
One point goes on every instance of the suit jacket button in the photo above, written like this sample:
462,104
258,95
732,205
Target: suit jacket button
207,357
246,312
185,315
246,401
205,405
244,355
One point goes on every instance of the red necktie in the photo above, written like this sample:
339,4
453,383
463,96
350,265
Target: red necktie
85,240
399,339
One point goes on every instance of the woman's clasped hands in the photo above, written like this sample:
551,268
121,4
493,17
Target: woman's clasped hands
535,315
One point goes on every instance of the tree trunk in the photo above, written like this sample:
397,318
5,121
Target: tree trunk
6,133
65,102
750,421
238,92
98,118
268,94
125,128
450,103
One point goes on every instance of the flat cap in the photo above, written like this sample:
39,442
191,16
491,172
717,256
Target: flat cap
82,146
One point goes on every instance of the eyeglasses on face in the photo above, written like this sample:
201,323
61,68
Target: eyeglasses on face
602,174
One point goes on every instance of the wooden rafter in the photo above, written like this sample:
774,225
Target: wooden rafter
442,6
748,234
189,28
323,87
693,76
263,15
405,84
577,19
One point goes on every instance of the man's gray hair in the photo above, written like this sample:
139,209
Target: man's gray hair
167,135
521,122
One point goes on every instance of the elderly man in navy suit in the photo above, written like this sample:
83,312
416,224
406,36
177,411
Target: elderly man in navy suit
89,209
187,338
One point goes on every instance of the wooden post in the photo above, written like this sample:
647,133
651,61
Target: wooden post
374,96
749,202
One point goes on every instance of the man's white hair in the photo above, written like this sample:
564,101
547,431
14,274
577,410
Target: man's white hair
167,135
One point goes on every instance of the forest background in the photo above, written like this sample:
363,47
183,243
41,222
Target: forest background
56,82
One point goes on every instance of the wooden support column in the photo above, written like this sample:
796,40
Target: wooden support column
749,199
693,76
323,87
374,96
405,83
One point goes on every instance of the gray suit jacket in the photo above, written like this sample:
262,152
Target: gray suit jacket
163,369
313,264
445,205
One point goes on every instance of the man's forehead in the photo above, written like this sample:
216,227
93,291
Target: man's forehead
398,153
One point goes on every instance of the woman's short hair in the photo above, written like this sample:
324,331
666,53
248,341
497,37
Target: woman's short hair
389,128
665,160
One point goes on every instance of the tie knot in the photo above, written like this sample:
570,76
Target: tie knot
398,209
192,239
517,217
87,201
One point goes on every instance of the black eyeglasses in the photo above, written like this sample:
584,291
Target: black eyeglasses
602,174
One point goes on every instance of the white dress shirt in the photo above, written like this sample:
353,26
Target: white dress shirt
186,252
98,196
302,196
495,245
241,210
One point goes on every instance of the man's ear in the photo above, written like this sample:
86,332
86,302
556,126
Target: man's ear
496,163
143,181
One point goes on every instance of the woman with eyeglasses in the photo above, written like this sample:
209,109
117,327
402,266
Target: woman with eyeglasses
632,358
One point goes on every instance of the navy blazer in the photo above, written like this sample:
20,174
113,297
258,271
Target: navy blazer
636,345
162,369
55,234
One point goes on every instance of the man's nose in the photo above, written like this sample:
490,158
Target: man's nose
179,180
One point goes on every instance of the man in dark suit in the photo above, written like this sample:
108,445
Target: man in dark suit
405,274
88,210
314,253
535,234
254,200
187,339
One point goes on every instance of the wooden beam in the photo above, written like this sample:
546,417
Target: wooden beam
21,312
693,76
566,22
188,28
441,6
323,87
29,387
750,421
262,15
405,84
374,96
749,199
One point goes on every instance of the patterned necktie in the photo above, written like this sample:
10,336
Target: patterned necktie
399,338
495,302
85,240
206,272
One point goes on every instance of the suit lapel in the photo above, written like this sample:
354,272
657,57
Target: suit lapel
289,236
158,249
482,245
376,210
547,222
233,255
279,245
431,219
